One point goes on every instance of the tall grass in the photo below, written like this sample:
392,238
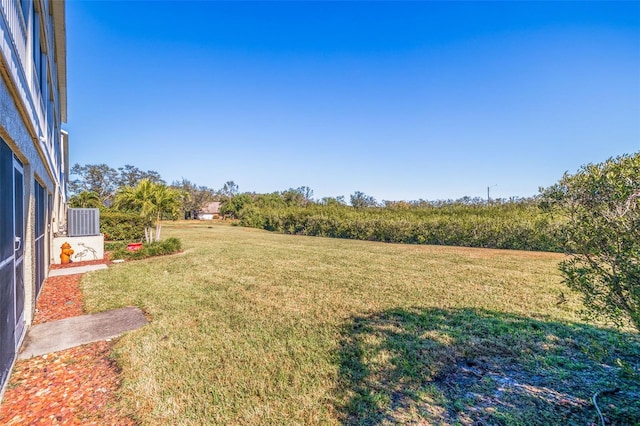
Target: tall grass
250,327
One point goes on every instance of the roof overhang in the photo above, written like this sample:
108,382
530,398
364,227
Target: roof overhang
60,43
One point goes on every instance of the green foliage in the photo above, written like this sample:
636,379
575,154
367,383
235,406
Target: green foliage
601,203
518,225
111,246
98,178
233,206
273,200
361,200
301,196
229,190
85,199
152,201
193,197
122,226
104,180
131,176
156,248
328,201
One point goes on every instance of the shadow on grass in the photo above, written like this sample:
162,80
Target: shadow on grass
470,366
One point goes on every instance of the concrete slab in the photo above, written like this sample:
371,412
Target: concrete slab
71,332
76,270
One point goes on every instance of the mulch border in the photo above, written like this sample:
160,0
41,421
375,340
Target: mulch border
70,387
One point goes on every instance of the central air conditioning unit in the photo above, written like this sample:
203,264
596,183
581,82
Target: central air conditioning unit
83,222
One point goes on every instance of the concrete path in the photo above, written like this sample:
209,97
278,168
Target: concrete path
71,332
76,270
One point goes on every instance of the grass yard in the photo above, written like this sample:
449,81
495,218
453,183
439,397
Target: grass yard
249,327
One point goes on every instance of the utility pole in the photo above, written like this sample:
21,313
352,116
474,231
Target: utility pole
488,197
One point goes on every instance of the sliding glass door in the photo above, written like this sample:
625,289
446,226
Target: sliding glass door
12,293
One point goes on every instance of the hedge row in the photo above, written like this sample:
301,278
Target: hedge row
520,227
118,226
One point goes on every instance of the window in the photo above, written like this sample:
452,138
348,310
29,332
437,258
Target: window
35,47
25,5
6,201
40,228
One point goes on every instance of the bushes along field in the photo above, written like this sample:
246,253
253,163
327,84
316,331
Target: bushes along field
517,225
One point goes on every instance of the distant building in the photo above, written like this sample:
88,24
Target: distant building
210,211
33,159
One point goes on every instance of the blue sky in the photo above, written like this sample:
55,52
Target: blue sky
400,100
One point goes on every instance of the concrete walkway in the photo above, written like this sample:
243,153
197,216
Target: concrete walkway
76,270
71,332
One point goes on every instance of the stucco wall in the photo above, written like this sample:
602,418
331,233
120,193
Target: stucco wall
84,248
14,132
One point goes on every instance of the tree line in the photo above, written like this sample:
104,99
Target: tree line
128,189
99,185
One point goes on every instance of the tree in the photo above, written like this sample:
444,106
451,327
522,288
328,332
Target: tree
229,190
233,206
194,198
85,199
300,196
153,201
98,178
273,200
333,201
105,180
360,200
602,207
306,193
131,175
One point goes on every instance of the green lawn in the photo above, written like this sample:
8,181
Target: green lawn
249,327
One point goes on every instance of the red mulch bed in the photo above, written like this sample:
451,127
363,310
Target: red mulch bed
71,387
60,298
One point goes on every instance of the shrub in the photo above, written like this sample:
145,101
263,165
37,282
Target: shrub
114,245
602,206
157,248
119,226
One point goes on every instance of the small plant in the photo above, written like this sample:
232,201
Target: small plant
157,248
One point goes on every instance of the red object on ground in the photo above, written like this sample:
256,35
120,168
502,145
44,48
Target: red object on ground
134,246
71,387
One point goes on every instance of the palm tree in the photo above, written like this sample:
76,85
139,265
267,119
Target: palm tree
153,201
85,199
168,202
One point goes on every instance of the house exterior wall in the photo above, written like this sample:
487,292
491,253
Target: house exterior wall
210,211
89,247
32,110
